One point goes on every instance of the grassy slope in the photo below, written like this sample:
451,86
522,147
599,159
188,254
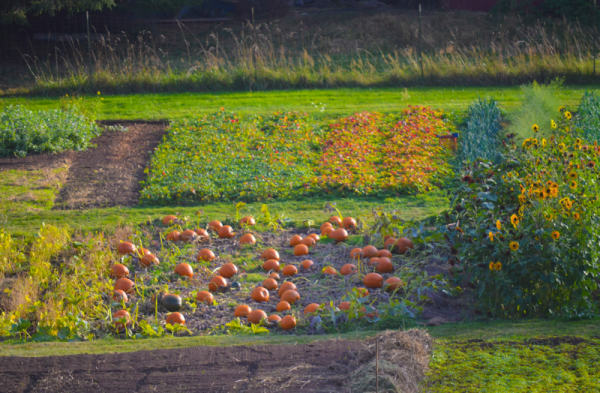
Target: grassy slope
339,102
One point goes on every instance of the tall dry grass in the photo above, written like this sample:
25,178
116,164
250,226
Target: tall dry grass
374,50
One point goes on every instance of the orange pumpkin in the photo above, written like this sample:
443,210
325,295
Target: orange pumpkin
327,231
384,253
392,283
216,283
270,254
311,308
314,236
363,292
184,270
173,236
118,270
403,245
384,265
205,297
125,248
149,260
290,296
124,284
248,238
349,223
286,286
371,315
228,270
248,220
335,220
175,318
260,294
225,232
289,270
288,322
307,264
300,250
215,225
119,295
339,235
120,315
256,316
295,240
242,311
283,306
373,261
373,280
344,306
348,269
202,233
271,264
188,234
369,252
205,255
330,270
274,318
326,225
142,251
274,276
169,220
389,243
270,284
308,241
356,253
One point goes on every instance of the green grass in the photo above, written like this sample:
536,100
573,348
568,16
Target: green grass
412,207
338,102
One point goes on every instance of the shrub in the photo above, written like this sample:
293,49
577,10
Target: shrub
25,132
588,119
480,137
528,226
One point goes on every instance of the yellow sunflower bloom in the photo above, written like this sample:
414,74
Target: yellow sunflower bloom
514,219
536,128
561,147
498,266
561,109
576,216
573,175
492,266
553,124
555,235
568,115
549,216
514,246
491,236
573,184
544,142
498,225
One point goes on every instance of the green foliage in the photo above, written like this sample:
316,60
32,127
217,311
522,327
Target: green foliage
588,117
480,137
16,11
528,227
25,132
237,327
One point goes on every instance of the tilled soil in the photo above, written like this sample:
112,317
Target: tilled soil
104,176
268,368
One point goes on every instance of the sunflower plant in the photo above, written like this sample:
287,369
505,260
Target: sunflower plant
529,225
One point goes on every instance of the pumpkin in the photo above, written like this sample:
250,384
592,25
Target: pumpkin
384,265
311,308
308,241
403,245
344,306
175,318
205,255
392,283
326,225
274,318
248,238
290,296
228,270
335,220
118,270
389,243
205,297
125,248
173,236
348,269
215,225
120,315
330,270
270,284
349,223
270,254
256,316
225,232
202,233
124,284
171,302
169,220
371,315
248,220
149,260
274,276
373,261
242,311
363,292
356,253
373,280
369,252
307,264
119,295
288,322
283,306
300,250
142,251
188,234
260,294
216,283
295,240
327,231
271,264
289,270
286,286
184,270
314,236
384,253
339,235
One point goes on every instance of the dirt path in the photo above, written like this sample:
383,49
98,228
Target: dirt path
268,368
104,176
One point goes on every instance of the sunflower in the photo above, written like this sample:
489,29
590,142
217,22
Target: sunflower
561,147
526,144
576,216
544,142
573,175
509,174
536,128
577,146
498,224
568,204
591,164
514,219
498,266
578,141
514,246
555,235
573,184
568,115
521,199
549,216
492,265
561,109
553,124
491,236
534,141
